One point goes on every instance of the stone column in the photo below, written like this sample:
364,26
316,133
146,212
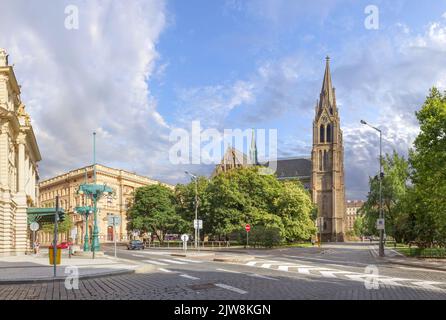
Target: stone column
20,199
5,194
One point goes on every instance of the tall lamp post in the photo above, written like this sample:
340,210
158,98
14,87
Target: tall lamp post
194,177
94,191
381,215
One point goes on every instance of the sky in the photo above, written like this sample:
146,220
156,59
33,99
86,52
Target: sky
134,71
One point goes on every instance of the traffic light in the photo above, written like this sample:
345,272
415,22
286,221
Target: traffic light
61,216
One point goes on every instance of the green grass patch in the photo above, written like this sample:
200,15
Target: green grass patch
422,253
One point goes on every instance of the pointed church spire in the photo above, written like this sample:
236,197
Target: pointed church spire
253,149
327,97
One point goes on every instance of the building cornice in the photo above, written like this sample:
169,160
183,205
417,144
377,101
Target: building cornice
103,170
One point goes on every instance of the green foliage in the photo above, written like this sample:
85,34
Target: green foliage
232,199
428,161
259,236
153,210
394,187
414,191
185,202
62,227
359,227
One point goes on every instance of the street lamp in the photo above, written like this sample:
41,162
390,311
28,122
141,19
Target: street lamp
194,177
381,216
85,211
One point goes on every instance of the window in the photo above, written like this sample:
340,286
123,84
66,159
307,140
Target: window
320,160
326,163
322,134
329,133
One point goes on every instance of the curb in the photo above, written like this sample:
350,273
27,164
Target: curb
59,278
414,265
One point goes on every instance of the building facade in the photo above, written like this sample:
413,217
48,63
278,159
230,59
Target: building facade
327,156
19,155
66,186
352,213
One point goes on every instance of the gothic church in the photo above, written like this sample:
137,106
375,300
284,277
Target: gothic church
323,173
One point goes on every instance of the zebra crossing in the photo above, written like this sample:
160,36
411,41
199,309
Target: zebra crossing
329,273
167,261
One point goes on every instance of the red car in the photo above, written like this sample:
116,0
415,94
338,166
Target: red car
63,245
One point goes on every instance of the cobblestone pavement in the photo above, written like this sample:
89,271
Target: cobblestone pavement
336,272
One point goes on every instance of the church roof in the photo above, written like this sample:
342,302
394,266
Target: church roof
290,168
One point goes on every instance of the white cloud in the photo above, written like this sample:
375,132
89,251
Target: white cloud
93,78
212,104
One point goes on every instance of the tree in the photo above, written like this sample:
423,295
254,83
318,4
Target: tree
295,207
153,209
394,187
359,227
185,202
245,195
428,161
62,227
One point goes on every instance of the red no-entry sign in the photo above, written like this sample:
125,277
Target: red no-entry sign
247,228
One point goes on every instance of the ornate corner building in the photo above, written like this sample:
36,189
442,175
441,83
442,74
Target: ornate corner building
327,179
19,155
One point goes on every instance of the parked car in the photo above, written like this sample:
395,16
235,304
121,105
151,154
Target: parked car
135,245
63,245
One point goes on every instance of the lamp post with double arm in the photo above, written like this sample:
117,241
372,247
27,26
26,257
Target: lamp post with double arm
381,175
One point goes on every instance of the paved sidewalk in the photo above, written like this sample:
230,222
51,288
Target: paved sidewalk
36,268
392,256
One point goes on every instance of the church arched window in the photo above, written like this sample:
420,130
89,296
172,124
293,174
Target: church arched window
329,133
326,164
322,134
320,160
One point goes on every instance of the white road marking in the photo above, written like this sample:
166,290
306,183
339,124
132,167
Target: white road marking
139,255
251,263
172,261
164,270
155,262
224,286
331,273
225,270
189,277
188,260
428,284
266,265
261,276
283,268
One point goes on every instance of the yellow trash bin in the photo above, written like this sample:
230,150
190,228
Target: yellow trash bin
51,255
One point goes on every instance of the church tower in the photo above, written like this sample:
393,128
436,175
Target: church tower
327,181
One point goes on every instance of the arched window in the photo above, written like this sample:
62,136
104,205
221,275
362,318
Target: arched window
322,134
320,160
329,133
326,164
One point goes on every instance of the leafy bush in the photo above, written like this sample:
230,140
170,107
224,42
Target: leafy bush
261,236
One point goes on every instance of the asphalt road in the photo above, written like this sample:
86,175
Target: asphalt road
344,271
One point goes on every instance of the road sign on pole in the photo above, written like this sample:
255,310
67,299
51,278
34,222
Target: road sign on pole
184,238
34,227
380,224
198,224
